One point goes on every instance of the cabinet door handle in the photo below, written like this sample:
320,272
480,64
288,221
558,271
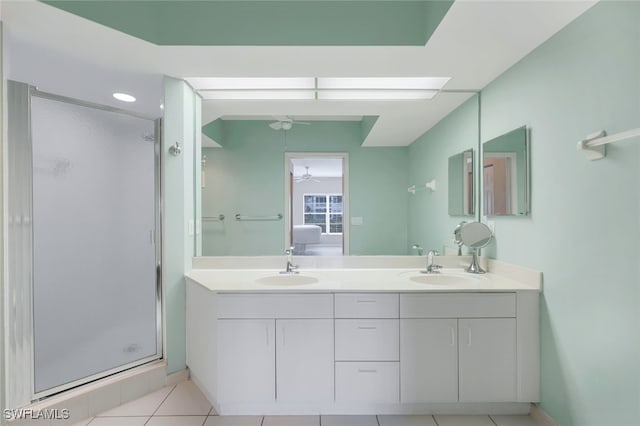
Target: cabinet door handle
366,328
468,336
366,301
362,370
266,329
453,336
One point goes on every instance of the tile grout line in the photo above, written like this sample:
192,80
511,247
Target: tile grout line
207,416
160,405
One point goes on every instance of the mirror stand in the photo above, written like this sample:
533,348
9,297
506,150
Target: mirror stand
474,267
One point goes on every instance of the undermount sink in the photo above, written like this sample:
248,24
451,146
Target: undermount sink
442,278
285,279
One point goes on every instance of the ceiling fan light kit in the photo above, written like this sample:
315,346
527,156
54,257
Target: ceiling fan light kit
285,123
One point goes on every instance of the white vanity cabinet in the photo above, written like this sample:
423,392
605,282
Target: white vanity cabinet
246,360
367,348
364,353
275,348
458,347
304,360
429,360
487,359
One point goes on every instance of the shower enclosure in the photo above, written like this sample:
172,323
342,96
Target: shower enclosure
85,256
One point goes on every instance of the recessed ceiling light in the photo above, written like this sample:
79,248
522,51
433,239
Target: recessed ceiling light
124,97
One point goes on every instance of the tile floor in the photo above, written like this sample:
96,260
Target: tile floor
184,405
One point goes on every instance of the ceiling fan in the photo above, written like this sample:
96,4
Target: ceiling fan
285,123
307,177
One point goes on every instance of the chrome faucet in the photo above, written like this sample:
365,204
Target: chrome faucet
431,267
418,248
290,268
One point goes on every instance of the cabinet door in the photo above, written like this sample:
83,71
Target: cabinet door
304,369
487,359
246,360
428,360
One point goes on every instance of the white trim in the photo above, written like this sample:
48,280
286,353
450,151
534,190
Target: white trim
344,156
541,417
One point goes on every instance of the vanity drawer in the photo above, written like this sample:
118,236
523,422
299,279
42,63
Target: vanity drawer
367,381
366,305
235,305
458,305
367,340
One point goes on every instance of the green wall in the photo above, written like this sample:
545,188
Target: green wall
583,231
429,222
247,176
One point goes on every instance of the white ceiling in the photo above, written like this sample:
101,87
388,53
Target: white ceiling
318,167
476,42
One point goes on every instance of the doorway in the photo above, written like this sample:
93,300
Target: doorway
317,204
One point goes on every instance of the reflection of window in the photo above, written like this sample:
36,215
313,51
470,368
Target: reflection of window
324,210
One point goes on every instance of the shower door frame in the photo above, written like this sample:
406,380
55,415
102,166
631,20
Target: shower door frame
22,379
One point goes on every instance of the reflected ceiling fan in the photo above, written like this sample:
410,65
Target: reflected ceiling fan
285,122
307,177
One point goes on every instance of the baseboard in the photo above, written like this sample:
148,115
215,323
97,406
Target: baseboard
541,417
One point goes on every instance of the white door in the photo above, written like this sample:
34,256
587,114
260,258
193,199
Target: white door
428,360
304,366
246,360
487,359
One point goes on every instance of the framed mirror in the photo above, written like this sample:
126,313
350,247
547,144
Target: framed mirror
505,174
461,180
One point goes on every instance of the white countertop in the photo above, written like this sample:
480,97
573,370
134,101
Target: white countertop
354,280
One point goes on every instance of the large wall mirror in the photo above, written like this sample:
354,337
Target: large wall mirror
461,184
315,184
505,174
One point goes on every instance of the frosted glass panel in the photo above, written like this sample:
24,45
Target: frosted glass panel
94,255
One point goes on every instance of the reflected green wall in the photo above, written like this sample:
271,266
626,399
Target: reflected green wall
247,176
583,231
429,222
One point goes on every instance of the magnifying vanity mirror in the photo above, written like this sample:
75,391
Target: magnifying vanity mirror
475,235
461,184
505,174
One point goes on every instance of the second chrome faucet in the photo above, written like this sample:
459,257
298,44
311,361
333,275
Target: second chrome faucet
290,268
431,267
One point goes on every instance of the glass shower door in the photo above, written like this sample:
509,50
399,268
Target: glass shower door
95,299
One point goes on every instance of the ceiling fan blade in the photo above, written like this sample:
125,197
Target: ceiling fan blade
276,125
